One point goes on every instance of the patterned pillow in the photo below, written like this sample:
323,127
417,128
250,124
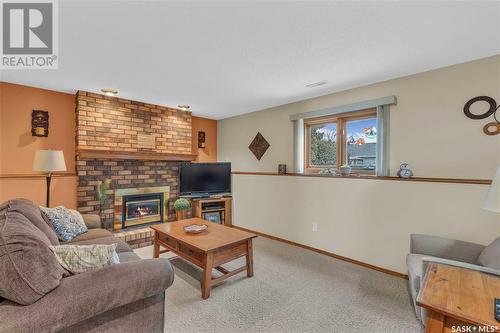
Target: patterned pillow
67,223
81,258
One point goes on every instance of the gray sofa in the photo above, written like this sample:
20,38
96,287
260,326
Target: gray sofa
425,249
126,297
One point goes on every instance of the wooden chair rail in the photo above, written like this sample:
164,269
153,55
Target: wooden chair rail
388,178
35,175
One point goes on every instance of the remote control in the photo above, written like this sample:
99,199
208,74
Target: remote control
497,309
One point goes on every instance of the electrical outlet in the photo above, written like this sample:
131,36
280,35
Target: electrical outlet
315,227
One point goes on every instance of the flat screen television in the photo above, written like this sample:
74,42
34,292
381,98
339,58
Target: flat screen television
201,179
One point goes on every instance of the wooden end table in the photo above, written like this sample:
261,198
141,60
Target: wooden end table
208,250
457,298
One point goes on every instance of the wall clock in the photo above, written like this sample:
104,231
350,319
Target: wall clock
405,171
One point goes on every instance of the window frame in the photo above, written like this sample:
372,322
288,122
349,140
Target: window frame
340,120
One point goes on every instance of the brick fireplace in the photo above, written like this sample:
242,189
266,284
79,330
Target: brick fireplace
125,174
136,145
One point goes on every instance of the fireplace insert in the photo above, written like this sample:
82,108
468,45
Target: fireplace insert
142,209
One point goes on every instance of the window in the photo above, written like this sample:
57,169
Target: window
355,134
342,139
361,144
323,148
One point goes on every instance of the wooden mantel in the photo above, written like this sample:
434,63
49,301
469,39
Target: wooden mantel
130,155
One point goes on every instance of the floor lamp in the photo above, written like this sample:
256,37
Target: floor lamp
492,201
49,161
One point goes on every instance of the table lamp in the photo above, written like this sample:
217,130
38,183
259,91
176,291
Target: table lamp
49,161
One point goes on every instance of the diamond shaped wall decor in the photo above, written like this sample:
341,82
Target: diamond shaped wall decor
259,146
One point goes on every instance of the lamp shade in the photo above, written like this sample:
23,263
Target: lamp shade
49,160
492,202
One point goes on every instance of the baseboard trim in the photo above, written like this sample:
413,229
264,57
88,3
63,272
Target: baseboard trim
326,253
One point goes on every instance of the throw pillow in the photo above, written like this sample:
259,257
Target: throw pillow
490,256
67,223
29,269
81,258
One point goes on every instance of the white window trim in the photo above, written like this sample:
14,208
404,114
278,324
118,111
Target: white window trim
383,122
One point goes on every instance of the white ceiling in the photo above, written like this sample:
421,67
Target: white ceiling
230,58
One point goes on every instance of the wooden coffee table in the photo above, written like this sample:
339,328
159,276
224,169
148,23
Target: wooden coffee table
208,250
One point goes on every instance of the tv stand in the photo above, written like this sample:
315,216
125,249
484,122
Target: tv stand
219,204
195,196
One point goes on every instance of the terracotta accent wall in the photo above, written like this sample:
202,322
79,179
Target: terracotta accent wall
209,126
113,124
17,146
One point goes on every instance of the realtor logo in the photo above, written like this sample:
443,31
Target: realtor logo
29,34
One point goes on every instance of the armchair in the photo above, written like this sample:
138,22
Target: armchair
425,249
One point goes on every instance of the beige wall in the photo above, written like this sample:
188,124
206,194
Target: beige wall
428,127
371,220
366,220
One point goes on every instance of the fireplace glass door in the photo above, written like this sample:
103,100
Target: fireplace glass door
140,209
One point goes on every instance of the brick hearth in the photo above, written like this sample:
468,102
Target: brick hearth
138,237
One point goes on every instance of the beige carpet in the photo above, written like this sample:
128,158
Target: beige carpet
293,290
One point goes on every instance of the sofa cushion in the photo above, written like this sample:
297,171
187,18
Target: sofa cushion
121,246
67,223
34,215
29,268
81,258
490,256
91,234
92,221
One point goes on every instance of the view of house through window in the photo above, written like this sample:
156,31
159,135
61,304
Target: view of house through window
348,139
361,144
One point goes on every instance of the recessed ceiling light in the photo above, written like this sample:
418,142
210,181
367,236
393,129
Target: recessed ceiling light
315,84
109,92
184,107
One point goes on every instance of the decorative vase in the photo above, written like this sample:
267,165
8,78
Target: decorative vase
181,215
345,170
282,169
